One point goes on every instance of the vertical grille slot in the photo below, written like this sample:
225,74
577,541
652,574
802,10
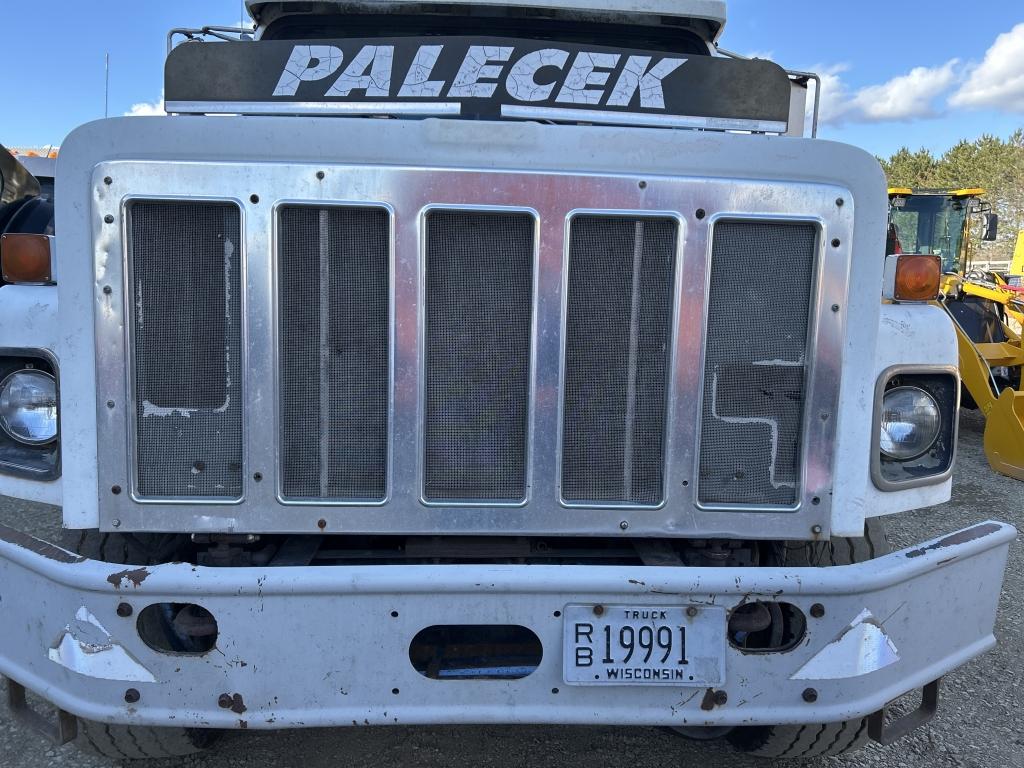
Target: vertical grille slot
617,352
334,355
185,260
759,305
479,309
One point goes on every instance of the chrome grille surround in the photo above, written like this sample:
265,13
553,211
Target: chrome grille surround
410,193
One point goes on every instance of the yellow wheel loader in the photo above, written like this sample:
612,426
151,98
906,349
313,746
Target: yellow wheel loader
987,308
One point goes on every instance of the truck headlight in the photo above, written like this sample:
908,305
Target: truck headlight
28,407
910,423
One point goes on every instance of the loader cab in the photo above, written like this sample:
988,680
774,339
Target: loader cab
937,222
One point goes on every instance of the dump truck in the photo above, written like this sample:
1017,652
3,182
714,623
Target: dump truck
476,363
985,308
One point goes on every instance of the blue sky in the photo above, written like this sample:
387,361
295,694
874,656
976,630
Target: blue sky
912,73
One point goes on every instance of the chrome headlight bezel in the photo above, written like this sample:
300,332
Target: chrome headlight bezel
39,462
5,424
935,464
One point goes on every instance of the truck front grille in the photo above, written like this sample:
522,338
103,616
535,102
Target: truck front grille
618,331
755,362
403,351
479,307
333,288
186,327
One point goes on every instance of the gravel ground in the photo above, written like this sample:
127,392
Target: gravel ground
979,721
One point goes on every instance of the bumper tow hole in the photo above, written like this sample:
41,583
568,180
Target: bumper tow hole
766,627
475,652
178,628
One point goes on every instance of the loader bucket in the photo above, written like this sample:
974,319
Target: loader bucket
1004,434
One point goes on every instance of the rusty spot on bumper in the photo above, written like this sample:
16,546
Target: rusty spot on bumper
961,537
134,576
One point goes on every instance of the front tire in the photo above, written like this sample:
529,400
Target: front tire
122,742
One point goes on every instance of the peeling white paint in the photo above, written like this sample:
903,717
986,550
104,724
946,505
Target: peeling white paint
862,647
149,409
781,363
772,425
85,647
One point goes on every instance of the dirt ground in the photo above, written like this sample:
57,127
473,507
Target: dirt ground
980,721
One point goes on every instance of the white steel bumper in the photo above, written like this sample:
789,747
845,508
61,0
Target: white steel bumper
328,646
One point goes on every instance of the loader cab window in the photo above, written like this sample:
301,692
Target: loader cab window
929,224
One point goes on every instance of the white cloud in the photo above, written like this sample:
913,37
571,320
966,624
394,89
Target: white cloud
908,96
147,108
998,82
834,96
905,97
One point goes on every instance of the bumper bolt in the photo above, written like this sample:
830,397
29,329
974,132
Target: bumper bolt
131,695
816,530
817,610
721,697
224,701
124,610
810,695
623,525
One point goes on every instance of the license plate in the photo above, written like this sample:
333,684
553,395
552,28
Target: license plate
682,645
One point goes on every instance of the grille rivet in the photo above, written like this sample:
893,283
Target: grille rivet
321,523
624,525
107,290
254,199
107,180
124,610
131,695
110,403
320,175
817,610
642,185
836,243
115,523
701,213
109,218
840,202
835,307
116,490
810,695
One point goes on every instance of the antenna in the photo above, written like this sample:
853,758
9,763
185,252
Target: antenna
106,86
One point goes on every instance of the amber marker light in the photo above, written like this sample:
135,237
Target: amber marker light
25,258
917,277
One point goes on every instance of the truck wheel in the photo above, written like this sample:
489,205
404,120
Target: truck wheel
822,739
134,741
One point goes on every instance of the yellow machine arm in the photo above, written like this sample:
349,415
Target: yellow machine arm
1003,411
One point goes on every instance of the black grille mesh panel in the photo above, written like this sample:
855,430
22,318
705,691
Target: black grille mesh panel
479,305
334,308
761,292
617,351
186,321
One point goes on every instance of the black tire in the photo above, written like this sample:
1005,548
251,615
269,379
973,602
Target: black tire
139,742
820,739
134,741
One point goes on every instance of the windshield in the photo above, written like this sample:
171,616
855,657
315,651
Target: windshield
929,224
